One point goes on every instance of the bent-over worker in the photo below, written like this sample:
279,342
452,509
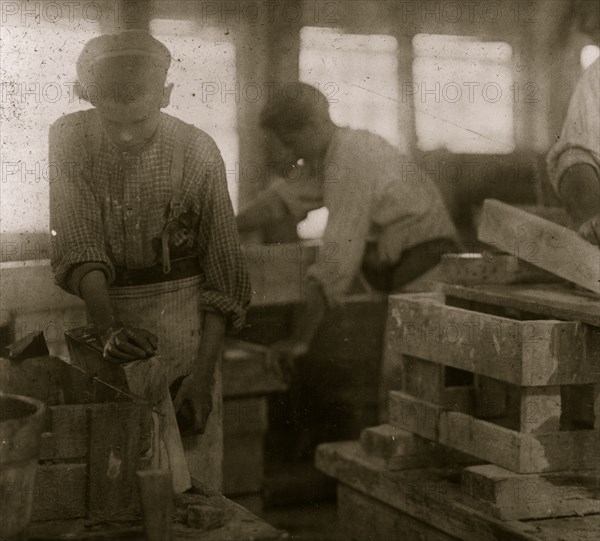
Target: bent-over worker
385,222
144,230
574,161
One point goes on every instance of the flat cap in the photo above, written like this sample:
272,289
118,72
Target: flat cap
138,46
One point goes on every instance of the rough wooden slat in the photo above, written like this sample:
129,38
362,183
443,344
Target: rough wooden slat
555,301
60,491
363,518
400,449
427,496
545,244
519,452
525,496
540,409
541,352
490,268
114,458
69,430
414,415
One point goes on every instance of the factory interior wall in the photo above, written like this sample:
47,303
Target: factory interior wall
545,53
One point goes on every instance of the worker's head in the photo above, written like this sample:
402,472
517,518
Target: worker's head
299,116
123,75
587,16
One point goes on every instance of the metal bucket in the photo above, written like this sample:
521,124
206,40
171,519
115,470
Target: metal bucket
21,423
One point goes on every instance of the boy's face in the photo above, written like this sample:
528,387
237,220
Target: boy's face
129,100
305,142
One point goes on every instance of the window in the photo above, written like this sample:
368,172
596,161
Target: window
462,91
38,86
359,76
589,55
203,71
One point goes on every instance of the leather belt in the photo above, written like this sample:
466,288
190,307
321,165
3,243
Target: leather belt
180,268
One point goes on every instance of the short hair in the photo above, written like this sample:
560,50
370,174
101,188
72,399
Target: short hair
293,106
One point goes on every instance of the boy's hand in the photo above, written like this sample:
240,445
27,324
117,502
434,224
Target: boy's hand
128,343
193,404
590,230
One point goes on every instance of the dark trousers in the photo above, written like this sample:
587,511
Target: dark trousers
414,262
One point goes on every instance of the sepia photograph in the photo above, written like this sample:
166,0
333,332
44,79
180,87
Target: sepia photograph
300,270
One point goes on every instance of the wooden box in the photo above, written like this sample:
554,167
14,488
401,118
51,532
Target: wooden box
91,447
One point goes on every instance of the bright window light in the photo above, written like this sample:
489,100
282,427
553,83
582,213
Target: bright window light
463,94
38,86
359,76
589,54
206,93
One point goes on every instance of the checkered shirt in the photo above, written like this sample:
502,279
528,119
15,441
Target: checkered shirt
108,208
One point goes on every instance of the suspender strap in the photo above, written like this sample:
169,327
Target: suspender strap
176,205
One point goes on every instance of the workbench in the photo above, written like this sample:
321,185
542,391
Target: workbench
242,526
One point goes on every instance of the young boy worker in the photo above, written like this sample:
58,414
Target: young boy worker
385,221
144,230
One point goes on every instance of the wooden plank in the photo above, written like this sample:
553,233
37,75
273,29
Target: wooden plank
556,301
114,458
519,452
250,369
423,379
540,352
490,268
400,449
242,526
540,409
60,491
424,494
543,243
363,518
69,430
515,496
414,415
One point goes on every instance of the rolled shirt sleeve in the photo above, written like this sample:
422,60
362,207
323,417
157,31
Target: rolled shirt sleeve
579,141
227,286
348,197
78,244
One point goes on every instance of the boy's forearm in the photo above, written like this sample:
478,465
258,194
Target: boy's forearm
213,332
93,289
580,192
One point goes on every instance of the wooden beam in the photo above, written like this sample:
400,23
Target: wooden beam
531,353
540,242
514,496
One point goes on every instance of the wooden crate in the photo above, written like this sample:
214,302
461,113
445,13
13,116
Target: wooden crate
496,382
91,448
250,373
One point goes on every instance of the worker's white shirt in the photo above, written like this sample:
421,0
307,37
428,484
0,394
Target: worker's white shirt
579,140
372,192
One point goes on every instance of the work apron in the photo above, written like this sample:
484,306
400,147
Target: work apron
171,310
